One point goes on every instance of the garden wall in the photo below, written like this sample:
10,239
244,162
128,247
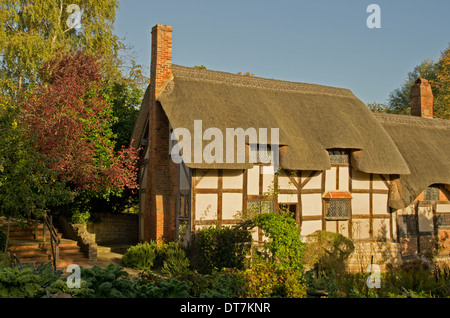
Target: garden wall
114,228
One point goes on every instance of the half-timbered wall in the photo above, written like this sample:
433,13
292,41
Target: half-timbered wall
426,219
219,195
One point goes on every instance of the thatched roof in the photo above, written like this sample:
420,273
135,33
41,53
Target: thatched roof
424,144
311,118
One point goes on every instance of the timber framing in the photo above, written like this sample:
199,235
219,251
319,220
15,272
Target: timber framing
302,189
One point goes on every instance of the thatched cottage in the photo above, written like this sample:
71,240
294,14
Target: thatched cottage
382,180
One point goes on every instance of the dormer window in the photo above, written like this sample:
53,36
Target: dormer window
261,154
431,193
338,156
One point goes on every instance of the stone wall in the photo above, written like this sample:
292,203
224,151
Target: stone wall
79,233
114,228
376,253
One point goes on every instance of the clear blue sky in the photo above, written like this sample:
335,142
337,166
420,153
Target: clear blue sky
323,42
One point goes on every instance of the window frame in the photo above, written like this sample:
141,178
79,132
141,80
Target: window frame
327,203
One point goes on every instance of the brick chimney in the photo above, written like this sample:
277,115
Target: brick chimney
160,196
161,60
421,99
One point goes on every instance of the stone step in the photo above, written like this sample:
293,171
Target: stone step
34,244
29,249
30,237
40,252
17,227
33,251
26,232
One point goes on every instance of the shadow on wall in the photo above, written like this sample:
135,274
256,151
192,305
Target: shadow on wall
114,228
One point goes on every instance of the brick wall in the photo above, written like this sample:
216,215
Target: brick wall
114,228
159,211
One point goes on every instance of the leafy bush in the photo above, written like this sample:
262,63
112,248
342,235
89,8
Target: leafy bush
227,283
284,248
169,257
174,259
140,256
327,251
110,282
59,288
216,247
267,281
162,288
26,281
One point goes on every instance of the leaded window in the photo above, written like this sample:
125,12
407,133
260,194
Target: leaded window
337,209
338,156
261,153
260,206
407,225
443,220
431,193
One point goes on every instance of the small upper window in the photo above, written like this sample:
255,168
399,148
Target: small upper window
261,153
260,206
338,156
431,193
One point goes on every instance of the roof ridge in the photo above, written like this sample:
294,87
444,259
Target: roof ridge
212,76
386,118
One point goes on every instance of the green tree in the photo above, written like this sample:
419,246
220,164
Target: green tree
378,107
33,32
398,101
125,99
70,124
27,186
441,86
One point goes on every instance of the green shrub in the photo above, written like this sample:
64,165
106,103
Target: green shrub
328,252
26,281
162,288
214,248
284,248
267,281
59,288
174,259
227,283
110,282
140,256
169,257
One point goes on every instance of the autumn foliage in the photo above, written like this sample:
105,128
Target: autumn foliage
71,124
441,85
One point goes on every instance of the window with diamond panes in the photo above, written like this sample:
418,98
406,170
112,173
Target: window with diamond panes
443,220
337,209
431,194
338,156
407,225
261,153
260,206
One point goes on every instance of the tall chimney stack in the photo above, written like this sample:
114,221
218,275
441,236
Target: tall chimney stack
160,196
161,58
421,99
